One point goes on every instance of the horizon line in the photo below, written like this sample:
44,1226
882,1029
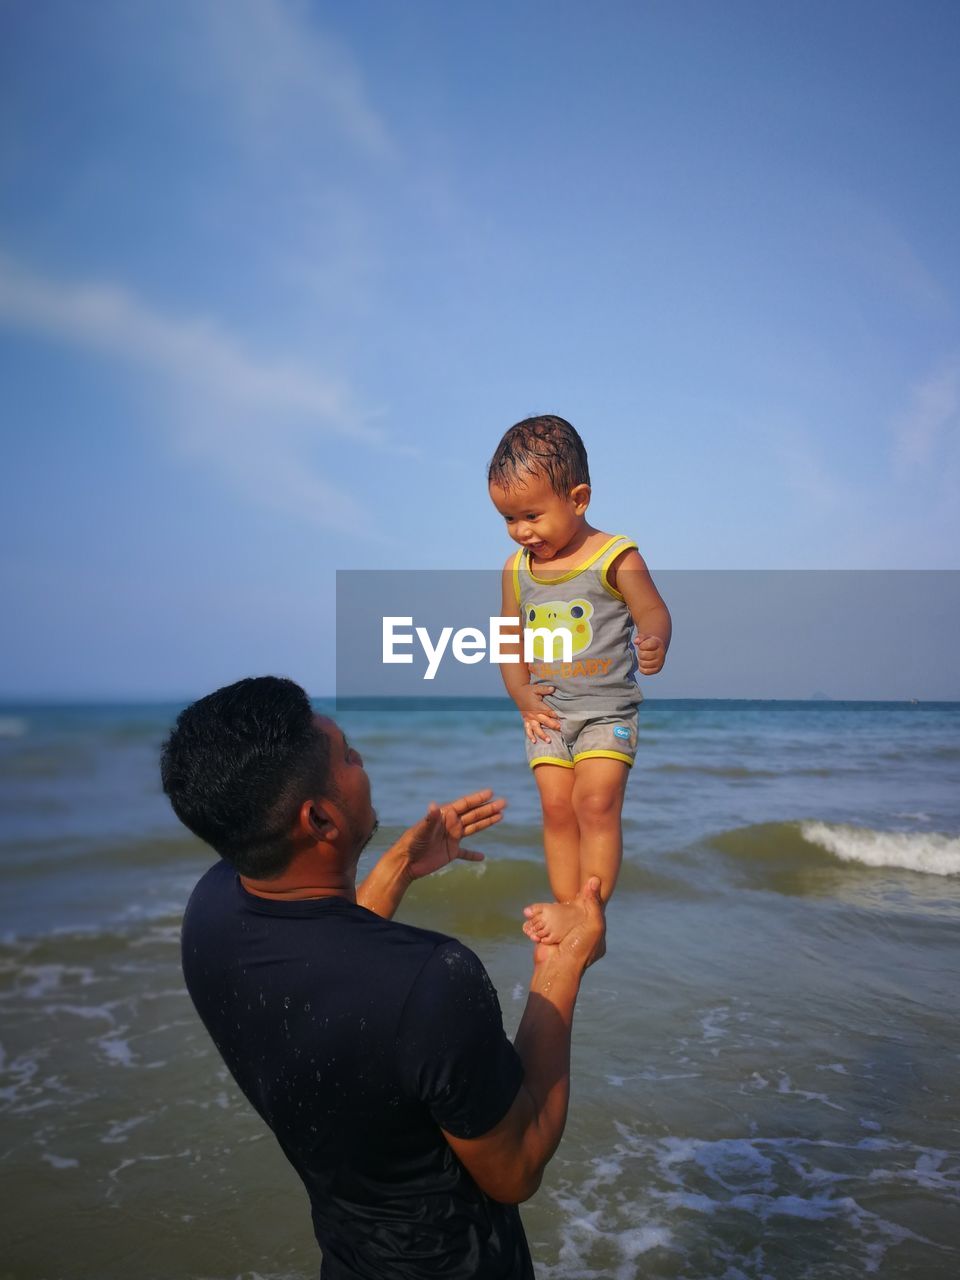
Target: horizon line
120,700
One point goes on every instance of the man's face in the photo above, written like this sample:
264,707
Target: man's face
350,784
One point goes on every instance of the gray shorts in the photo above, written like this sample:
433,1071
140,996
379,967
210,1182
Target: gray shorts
613,737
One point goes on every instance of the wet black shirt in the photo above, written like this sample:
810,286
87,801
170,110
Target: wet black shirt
357,1039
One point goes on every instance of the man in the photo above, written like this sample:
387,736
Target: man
374,1051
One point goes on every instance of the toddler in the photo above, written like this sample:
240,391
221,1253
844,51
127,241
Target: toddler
580,717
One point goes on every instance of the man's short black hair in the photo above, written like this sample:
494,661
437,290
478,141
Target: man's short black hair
238,765
543,446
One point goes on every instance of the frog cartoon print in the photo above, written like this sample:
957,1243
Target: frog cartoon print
556,615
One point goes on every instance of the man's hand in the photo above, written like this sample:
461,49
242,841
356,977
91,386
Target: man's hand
430,844
651,652
586,941
535,712
434,841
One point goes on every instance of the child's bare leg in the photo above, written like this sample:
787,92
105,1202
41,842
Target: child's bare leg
561,845
597,799
561,835
598,789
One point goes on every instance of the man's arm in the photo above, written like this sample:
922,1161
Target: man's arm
427,846
508,1162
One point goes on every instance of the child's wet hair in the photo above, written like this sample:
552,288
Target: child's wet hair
543,446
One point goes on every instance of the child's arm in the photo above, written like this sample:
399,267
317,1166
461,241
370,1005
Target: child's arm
516,675
631,577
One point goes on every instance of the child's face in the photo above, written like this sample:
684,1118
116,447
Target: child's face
540,519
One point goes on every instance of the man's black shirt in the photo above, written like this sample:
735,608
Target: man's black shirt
358,1039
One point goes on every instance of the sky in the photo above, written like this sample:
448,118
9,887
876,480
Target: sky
275,276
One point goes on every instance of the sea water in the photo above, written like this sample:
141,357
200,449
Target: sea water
765,1065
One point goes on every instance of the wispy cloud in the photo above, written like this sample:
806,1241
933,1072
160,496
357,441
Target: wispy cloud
284,74
871,242
805,470
891,261
254,420
932,416
298,106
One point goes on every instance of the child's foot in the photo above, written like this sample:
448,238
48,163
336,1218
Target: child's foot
551,921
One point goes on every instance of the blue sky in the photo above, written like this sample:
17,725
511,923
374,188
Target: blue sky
275,276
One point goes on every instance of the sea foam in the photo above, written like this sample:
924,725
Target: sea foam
734,1199
929,852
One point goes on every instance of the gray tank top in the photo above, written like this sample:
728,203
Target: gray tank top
600,680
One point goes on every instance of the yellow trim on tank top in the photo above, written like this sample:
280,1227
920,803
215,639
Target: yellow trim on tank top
572,573
615,554
516,575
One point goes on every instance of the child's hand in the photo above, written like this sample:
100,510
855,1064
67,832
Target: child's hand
535,714
651,652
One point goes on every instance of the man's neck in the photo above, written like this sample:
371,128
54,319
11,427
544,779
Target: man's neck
307,876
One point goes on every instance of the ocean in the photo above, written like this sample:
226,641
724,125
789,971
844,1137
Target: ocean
766,1065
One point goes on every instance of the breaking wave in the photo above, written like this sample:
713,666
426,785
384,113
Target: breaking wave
930,853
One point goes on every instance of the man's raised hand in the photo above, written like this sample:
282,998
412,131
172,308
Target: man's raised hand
434,841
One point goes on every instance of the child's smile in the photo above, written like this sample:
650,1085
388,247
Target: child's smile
540,519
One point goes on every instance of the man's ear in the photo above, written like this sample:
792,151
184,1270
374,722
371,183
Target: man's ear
318,822
580,495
